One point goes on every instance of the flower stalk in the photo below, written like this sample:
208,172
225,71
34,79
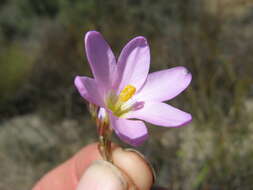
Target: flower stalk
104,145
104,134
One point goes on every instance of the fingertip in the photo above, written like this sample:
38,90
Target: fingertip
135,167
103,175
84,158
67,175
129,167
132,163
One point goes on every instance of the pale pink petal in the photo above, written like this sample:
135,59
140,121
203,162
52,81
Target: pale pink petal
101,59
133,63
161,114
88,89
132,132
165,85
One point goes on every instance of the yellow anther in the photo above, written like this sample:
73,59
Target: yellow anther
127,93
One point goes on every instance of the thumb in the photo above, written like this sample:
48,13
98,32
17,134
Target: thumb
129,171
103,175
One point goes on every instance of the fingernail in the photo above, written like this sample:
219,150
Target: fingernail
147,161
102,175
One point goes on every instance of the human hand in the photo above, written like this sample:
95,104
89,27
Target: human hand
87,171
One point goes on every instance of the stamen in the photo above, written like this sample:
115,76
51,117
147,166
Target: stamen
127,93
122,103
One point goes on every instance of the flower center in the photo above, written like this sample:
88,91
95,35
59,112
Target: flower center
121,104
127,93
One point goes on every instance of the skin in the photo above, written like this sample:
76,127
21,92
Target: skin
127,163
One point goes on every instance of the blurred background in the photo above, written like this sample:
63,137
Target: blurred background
43,120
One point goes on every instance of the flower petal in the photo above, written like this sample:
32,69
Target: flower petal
101,59
133,63
165,85
161,114
130,131
88,89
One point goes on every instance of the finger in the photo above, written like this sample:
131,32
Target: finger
66,177
135,166
103,175
130,171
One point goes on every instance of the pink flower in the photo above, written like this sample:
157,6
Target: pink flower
126,93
